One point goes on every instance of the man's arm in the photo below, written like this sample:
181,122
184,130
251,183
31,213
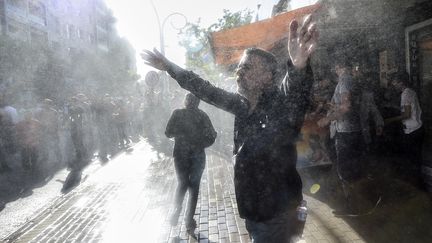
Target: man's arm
297,85
171,128
405,115
406,100
202,89
230,102
338,111
378,119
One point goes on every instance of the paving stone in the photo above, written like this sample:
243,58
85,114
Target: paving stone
213,230
223,234
126,198
222,227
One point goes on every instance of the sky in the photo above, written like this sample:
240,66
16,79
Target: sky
137,20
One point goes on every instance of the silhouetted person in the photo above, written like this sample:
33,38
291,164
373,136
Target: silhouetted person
76,113
346,128
368,109
193,131
8,120
29,135
121,118
410,118
102,115
49,118
268,119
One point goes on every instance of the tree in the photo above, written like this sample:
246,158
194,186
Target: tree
197,43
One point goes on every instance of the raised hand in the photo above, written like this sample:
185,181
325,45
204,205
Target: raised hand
302,41
155,59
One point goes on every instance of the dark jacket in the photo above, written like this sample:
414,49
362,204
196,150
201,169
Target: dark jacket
265,176
191,129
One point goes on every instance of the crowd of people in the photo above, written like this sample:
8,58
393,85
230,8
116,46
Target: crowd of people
356,130
51,135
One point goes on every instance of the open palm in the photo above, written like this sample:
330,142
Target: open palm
155,59
302,41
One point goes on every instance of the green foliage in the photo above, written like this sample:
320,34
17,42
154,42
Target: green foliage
232,20
197,43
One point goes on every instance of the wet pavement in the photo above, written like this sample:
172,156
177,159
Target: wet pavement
129,200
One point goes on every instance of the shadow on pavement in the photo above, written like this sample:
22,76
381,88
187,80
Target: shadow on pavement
403,214
18,184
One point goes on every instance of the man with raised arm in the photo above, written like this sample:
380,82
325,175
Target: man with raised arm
268,118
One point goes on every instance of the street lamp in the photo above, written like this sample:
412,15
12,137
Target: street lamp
162,26
165,79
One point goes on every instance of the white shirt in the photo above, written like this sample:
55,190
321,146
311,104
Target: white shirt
409,98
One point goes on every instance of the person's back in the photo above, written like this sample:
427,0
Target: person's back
188,130
192,131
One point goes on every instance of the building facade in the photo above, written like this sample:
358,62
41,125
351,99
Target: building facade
79,39
66,25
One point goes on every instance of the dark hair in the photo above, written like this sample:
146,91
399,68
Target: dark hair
193,100
402,77
269,58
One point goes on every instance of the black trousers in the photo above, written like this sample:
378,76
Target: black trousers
413,153
189,169
349,150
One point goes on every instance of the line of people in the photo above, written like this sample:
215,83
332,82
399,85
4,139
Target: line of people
48,136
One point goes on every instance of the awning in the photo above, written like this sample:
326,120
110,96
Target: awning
228,45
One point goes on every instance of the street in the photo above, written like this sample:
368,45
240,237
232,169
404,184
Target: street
129,199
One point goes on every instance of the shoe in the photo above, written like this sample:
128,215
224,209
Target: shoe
191,226
175,216
344,211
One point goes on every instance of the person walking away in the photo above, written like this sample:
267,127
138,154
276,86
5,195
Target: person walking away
192,131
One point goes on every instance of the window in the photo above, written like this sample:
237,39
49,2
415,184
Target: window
18,3
37,9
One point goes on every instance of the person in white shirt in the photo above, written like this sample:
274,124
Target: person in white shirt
410,118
